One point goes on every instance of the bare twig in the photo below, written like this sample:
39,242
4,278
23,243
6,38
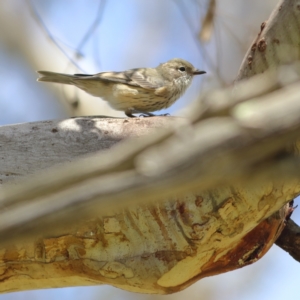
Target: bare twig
289,239
93,25
43,26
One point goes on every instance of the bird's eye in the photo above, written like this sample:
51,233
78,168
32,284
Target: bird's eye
182,69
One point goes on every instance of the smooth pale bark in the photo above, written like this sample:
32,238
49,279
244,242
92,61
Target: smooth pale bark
277,42
31,147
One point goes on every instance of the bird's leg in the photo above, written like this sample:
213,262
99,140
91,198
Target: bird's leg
129,114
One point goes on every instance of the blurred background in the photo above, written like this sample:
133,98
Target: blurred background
92,36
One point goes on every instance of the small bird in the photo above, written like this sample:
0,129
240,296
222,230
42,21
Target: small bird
135,91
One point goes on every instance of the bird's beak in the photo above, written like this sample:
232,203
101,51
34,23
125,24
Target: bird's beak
198,72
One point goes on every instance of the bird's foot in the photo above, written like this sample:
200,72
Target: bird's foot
130,112
146,115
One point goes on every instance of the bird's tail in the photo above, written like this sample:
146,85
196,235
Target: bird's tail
56,77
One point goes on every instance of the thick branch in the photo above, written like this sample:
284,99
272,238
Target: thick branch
227,220
277,42
27,148
220,151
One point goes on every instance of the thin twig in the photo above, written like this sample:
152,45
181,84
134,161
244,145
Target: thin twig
37,17
93,26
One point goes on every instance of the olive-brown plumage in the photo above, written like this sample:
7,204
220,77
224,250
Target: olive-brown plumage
141,90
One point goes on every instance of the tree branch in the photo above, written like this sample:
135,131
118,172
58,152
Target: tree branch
220,151
277,42
289,239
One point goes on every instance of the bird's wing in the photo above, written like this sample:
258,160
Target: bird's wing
133,77
141,79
